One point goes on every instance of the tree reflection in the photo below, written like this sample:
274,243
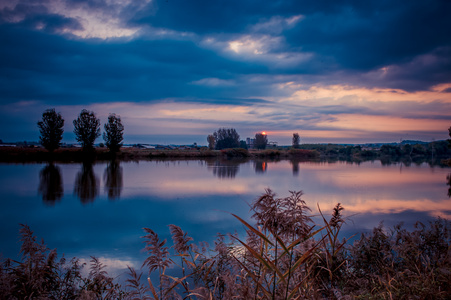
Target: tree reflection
86,184
225,168
260,166
51,184
113,180
295,167
448,179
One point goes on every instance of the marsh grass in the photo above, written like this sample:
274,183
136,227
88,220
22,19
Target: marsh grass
39,154
283,255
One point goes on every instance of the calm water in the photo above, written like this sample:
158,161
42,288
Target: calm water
100,209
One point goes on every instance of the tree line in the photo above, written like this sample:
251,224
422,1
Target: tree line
86,130
225,138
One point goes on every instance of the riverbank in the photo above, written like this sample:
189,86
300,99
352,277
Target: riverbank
38,154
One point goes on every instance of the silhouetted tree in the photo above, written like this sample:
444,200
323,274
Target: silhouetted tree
87,129
296,140
226,138
211,141
261,140
51,129
113,180
449,141
243,144
51,184
113,134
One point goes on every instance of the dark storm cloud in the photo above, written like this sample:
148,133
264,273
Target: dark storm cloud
347,36
40,66
369,35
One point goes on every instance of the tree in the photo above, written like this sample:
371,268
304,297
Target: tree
449,141
226,138
211,141
113,134
51,128
296,140
261,140
87,129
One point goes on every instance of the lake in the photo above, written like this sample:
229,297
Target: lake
99,209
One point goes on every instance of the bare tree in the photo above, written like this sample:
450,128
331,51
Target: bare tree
296,140
87,129
114,131
51,129
211,141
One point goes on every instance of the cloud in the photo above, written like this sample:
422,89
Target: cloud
316,67
276,24
85,19
214,82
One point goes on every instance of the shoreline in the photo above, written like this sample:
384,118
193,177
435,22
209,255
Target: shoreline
68,155
39,154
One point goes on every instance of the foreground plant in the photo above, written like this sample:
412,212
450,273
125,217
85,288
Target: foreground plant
284,255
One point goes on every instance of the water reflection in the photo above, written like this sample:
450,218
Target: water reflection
86,185
113,180
190,194
448,178
51,184
295,167
260,166
225,168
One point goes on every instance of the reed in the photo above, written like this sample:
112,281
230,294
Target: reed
284,255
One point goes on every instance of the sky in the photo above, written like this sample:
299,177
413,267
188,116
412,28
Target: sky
175,71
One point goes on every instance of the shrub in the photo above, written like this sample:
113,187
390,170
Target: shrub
301,153
283,256
235,152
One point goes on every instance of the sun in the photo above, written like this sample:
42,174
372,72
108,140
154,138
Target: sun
264,132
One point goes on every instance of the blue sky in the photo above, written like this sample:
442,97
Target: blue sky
175,71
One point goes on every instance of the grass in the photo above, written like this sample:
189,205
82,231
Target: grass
284,255
38,154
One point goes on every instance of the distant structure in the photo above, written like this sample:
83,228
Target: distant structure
250,143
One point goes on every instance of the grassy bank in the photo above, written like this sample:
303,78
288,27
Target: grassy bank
37,154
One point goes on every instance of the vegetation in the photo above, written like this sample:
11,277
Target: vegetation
114,131
235,152
51,129
243,144
393,151
226,138
449,140
284,255
87,129
296,141
211,142
261,140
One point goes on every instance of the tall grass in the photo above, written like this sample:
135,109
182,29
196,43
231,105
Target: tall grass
284,255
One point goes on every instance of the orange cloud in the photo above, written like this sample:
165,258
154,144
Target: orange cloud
384,123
